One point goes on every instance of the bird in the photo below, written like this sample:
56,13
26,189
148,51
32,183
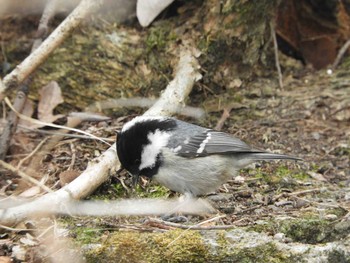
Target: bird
184,157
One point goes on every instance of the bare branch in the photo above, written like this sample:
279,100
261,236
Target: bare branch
277,61
341,54
173,98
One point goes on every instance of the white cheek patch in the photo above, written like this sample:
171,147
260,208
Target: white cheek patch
157,141
204,143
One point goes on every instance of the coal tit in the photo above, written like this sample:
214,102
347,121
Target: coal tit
185,158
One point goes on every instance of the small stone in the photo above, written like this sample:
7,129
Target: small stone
331,217
280,237
19,253
347,197
236,83
316,135
239,179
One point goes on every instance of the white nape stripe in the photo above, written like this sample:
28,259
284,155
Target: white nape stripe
157,141
139,119
204,143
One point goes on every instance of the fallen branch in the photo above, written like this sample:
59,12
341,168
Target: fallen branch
23,70
23,91
100,168
11,125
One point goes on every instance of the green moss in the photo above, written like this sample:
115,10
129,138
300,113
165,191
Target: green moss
86,235
270,178
172,246
120,191
309,228
152,191
159,37
110,191
284,171
179,246
281,177
306,231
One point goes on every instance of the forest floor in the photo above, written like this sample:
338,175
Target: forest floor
307,201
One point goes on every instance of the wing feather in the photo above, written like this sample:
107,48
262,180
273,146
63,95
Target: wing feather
212,142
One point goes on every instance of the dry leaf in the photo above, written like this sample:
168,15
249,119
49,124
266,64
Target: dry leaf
31,192
28,111
50,97
144,68
19,252
317,176
29,240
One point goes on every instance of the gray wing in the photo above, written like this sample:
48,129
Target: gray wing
209,142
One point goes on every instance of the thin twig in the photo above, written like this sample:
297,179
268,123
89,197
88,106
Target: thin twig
31,154
340,55
170,225
15,229
303,192
73,154
23,117
25,176
225,115
69,135
277,61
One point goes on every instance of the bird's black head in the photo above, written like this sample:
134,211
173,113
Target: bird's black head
139,143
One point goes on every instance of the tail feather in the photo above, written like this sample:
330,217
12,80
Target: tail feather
260,156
